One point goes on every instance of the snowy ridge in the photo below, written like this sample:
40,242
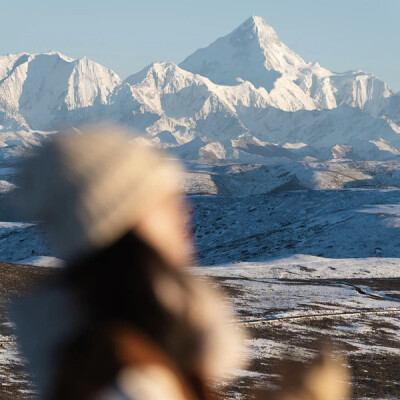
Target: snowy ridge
245,97
37,90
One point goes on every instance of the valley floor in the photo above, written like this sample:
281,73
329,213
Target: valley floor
292,305
289,306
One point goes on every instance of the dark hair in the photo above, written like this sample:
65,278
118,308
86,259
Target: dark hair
117,285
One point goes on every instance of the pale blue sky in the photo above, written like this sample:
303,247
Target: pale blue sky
127,35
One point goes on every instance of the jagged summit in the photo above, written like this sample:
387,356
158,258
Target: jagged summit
278,56
252,52
60,55
258,26
156,69
164,76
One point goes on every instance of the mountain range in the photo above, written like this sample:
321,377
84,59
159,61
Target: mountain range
245,97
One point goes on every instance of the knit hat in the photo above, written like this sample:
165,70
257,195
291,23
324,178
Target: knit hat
91,187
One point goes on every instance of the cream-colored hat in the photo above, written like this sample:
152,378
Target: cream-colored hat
91,187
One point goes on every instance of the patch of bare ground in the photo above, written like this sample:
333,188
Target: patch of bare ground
230,290
387,286
370,343
14,281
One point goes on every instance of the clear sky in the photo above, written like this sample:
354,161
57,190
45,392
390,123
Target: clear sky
127,35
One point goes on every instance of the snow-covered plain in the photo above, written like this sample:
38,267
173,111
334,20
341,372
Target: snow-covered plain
293,304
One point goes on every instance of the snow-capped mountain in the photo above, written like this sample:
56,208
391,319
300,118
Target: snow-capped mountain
246,96
253,52
42,91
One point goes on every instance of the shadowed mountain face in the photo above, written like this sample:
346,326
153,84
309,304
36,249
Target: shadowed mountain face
245,97
331,224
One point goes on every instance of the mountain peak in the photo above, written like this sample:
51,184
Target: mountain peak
155,69
256,30
57,53
259,26
251,52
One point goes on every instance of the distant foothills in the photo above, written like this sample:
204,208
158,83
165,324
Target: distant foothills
245,97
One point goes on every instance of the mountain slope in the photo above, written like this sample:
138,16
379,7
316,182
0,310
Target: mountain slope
39,91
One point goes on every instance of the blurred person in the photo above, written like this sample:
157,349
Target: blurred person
124,319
